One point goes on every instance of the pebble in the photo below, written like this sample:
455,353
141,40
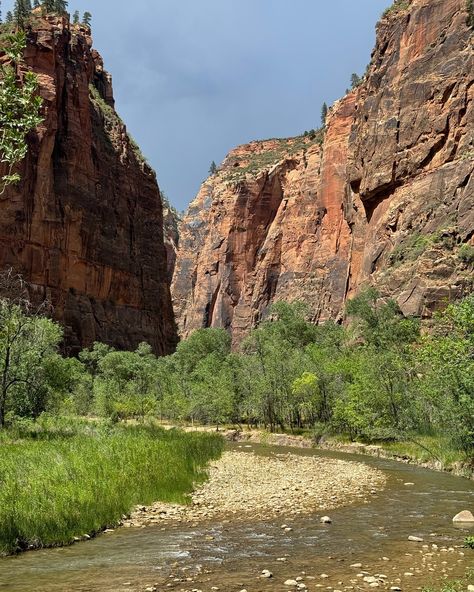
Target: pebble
266,574
290,583
415,539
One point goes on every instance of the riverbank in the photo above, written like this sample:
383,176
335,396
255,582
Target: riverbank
64,482
244,486
405,452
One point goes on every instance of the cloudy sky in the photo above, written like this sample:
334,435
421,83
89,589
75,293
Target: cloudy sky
195,78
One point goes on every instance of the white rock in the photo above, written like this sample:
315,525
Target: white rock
290,583
266,574
415,539
325,520
370,579
464,516
470,588
356,565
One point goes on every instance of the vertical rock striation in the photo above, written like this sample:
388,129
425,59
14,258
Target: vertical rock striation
385,198
85,224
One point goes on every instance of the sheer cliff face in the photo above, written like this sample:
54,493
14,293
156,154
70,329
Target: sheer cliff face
85,224
387,199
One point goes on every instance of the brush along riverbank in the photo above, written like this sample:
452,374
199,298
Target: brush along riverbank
429,452
245,486
61,483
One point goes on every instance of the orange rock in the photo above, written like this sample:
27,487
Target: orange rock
386,200
84,226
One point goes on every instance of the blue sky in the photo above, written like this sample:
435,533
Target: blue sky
195,78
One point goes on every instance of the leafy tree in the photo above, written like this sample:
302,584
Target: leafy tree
324,114
213,168
19,106
36,4
125,384
447,373
76,18
27,341
9,18
87,19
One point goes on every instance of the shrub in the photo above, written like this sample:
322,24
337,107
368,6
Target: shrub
466,254
397,6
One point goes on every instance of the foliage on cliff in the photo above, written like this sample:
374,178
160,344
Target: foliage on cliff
19,105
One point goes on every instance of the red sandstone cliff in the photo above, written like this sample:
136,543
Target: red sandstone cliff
387,199
85,224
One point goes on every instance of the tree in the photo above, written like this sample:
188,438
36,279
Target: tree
60,6
213,168
27,341
9,18
36,4
355,80
21,12
324,114
76,18
87,19
48,6
19,105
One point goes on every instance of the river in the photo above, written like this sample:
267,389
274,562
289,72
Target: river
230,557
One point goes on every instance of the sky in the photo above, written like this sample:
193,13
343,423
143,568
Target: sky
195,78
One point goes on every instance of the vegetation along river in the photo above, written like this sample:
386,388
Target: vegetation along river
364,540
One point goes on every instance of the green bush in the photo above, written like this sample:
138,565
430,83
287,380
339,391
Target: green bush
396,7
466,254
469,542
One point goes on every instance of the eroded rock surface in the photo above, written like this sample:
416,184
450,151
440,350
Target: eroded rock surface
387,197
84,226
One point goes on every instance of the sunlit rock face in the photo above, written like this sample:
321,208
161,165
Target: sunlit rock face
385,198
85,224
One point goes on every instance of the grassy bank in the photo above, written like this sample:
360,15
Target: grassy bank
61,481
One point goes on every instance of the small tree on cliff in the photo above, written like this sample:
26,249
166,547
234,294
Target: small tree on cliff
355,80
60,6
48,6
213,168
324,114
21,12
87,19
19,106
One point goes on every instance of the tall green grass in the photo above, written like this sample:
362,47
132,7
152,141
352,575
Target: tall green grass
62,482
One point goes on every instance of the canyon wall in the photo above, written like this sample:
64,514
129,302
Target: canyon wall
384,197
85,225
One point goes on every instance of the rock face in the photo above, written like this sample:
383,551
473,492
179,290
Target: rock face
85,224
385,197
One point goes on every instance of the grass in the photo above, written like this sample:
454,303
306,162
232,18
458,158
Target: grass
454,585
432,449
62,481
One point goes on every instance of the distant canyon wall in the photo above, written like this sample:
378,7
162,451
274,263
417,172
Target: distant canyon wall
384,197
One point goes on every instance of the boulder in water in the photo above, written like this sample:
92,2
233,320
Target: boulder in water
465,516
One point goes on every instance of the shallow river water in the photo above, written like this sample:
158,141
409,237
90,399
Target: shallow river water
230,557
